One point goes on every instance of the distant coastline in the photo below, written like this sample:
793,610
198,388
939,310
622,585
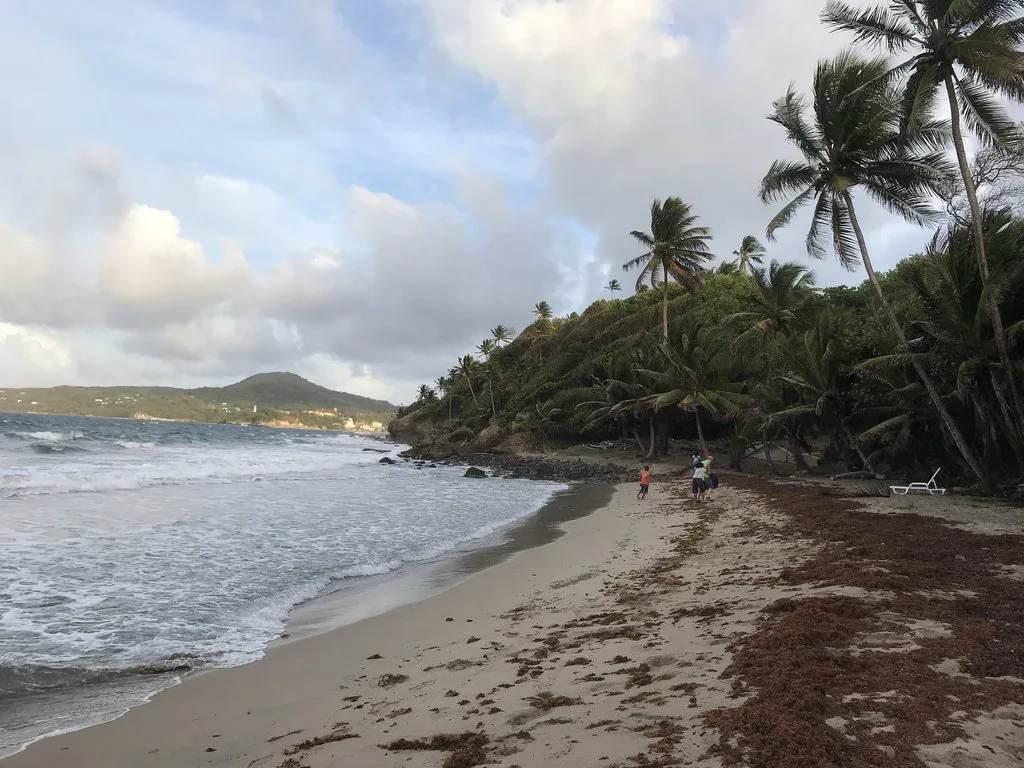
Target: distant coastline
266,399
360,427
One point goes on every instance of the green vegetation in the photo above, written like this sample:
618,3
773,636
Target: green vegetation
916,368
262,399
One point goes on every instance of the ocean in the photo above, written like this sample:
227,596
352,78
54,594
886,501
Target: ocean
134,552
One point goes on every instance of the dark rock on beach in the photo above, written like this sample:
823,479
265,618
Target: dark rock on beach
475,472
388,460
533,467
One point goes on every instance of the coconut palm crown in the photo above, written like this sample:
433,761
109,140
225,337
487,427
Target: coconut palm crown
675,248
849,137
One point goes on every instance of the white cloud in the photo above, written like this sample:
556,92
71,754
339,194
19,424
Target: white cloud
31,357
151,274
358,191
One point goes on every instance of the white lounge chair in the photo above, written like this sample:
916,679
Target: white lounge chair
931,487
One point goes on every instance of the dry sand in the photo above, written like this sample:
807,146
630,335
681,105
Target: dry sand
772,626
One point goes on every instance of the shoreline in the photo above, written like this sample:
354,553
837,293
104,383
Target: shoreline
775,625
368,597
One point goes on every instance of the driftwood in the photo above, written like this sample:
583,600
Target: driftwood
862,474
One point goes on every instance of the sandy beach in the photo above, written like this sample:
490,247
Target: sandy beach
777,625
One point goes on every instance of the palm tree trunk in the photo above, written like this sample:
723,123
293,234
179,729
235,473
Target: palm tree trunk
700,433
451,399
654,442
768,451
944,415
845,431
982,257
664,304
636,434
470,381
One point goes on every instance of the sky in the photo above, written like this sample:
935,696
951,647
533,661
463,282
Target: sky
194,191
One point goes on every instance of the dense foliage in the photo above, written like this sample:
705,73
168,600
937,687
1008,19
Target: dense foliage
917,367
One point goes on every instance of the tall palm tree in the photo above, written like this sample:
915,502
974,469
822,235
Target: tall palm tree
486,348
501,334
972,50
751,251
466,368
613,286
542,310
676,247
851,138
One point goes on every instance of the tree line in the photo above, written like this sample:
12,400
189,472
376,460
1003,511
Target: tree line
921,363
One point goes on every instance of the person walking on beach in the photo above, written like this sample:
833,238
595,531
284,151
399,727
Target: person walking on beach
695,460
708,483
645,482
699,485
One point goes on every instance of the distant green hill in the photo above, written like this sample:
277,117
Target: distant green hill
289,392
263,398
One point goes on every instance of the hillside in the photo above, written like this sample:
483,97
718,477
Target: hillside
264,398
755,360
289,392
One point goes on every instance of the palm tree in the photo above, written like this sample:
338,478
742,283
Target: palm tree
542,310
852,139
971,49
613,286
486,348
728,268
780,298
501,334
426,394
676,247
751,251
701,374
815,367
467,367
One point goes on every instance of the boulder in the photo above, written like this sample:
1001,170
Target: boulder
488,438
388,460
475,472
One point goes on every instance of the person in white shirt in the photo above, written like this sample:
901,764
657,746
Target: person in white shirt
700,484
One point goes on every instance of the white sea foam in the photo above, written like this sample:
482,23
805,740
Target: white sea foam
160,542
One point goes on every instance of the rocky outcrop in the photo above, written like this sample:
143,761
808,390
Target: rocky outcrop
534,467
415,429
475,472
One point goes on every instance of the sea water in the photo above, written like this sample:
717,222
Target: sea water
133,551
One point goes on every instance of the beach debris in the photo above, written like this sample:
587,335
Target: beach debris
374,657
467,749
460,664
639,675
473,639
340,732
399,712
579,661
389,679
449,619
296,732
546,700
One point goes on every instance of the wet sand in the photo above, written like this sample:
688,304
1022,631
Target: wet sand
774,626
